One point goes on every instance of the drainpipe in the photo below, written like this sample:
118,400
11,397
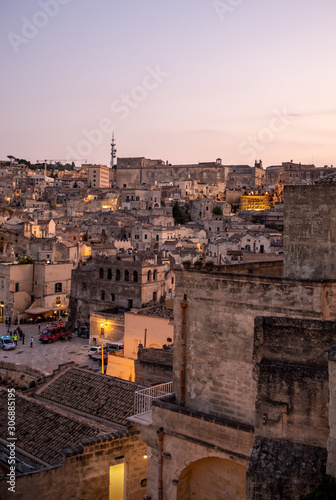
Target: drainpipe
184,306
160,483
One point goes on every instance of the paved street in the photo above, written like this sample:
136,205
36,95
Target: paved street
47,357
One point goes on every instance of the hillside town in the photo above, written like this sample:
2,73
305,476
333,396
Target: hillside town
205,297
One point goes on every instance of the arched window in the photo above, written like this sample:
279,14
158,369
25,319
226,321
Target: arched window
137,198
109,274
118,274
135,276
101,273
155,275
126,275
149,276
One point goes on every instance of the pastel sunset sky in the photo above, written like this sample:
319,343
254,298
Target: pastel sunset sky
181,80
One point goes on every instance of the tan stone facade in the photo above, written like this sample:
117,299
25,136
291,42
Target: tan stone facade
85,474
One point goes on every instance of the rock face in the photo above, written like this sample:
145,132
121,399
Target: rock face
290,450
283,470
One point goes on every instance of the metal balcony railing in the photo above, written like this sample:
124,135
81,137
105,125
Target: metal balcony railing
143,399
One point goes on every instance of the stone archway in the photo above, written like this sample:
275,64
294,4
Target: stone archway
212,478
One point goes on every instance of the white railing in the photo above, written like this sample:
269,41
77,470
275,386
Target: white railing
143,399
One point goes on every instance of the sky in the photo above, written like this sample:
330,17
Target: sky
185,81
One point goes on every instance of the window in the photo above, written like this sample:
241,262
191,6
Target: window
84,286
103,232
102,332
112,297
109,274
155,275
145,236
154,296
135,276
58,287
126,275
102,294
16,287
118,274
101,273
136,236
130,303
149,276
157,237
58,300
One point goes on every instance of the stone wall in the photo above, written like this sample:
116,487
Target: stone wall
112,326
19,376
85,474
310,231
187,438
292,425
220,314
267,268
154,366
331,464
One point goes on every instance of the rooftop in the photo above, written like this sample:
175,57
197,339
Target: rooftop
40,431
97,395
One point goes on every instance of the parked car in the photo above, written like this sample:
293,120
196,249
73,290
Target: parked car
6,343
93,350
55,332
117,346
98,356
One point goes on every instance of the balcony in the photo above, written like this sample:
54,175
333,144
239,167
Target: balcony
143,401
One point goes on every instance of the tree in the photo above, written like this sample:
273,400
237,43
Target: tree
177,214
217,211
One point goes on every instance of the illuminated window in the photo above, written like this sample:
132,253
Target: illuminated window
58,300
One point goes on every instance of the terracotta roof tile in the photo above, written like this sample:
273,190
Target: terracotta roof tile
98,395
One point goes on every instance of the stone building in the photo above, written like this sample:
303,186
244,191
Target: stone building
125,281
289,173
98,176
73,440
132,172
245,177
247,416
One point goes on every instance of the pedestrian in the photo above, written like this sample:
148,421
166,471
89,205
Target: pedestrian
20,333
15,338
39,329
23,337
31,341
9,321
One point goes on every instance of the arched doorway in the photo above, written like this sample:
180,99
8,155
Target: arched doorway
212,478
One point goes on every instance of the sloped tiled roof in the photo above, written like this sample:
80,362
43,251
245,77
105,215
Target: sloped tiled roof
41,432
98,395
